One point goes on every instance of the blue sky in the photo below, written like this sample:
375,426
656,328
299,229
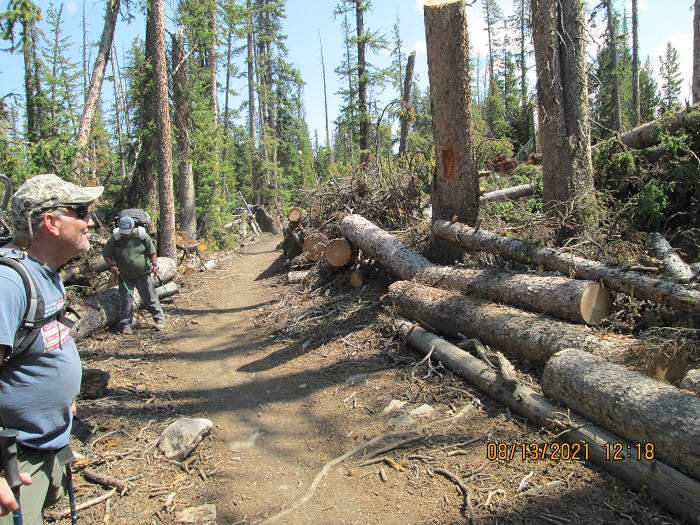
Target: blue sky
310,21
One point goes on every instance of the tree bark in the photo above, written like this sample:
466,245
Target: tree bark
636,109
696,53
675,491
615,68
648,135
406,109
166,220
559,33
635,407
527,335
455,192
513,193
577,301
188,209
643,287
212,64
98,73
674,267
101,309
362,81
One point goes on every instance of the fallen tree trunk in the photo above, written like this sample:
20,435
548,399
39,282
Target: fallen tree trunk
674,267
526,335
513,193
648,135
675,491
101,309
577,301
642,286
660,419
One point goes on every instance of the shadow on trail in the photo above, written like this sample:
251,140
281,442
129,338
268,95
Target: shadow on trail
273,269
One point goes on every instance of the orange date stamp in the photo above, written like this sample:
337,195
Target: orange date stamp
537,451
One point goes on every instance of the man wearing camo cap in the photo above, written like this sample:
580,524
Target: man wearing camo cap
38,386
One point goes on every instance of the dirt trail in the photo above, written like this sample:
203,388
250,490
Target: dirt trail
286,404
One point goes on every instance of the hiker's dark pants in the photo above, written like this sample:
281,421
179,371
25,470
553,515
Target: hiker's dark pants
149,299
48,485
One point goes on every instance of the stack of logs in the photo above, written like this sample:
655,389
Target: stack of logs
651,430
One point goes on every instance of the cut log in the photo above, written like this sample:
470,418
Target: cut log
674,267
358,277
339,252
663,420
94,383
296,277
648,135
98,264
642,286
525,335
101,309
295,215
194,246
314,245
577,301
167,290
514,193
672,489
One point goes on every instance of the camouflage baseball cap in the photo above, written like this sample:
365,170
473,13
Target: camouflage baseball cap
44,192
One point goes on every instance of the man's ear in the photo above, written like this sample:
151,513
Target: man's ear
51,221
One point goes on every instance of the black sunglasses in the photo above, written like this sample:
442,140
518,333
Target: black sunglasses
82,210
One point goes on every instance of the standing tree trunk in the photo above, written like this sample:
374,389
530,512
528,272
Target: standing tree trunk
325,104
362,81
407,115
117,113
636,111
188,211
559,32
98,74
30,83
617,123
213,65
166,220
455,194
696,53
252,130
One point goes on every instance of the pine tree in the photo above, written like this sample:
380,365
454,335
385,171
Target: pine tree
671,79
649,94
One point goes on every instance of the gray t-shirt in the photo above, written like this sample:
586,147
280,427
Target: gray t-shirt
38,386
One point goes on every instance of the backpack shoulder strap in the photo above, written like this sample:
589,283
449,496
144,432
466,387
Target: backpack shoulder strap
32,321
116,234
141,232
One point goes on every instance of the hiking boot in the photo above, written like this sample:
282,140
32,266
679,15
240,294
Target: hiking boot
127,330
159,325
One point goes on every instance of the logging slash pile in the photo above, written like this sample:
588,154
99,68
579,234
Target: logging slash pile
607,328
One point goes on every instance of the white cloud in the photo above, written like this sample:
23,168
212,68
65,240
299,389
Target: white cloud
420,47
419,5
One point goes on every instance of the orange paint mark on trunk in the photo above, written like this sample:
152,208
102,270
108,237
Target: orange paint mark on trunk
448,162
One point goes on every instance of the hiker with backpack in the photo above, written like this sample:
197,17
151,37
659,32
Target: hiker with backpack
131,254
40,370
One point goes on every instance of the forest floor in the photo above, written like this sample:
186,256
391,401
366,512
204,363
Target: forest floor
294,381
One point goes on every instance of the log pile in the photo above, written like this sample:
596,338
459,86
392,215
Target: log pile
674,490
